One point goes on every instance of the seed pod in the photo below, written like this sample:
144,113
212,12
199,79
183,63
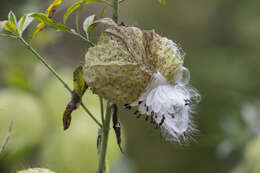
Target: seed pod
121,66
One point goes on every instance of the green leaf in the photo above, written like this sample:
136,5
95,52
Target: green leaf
90,24
24,22
52,8
12,18
79,82
162,1
44,19
103,11
79,89
107,21
77,5
10,27
6,35
87,23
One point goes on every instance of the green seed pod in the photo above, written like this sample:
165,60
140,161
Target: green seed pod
121,66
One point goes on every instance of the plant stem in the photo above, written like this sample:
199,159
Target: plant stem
106,124
77,18
53,71
83,38
104,139
102,109
115,10
5,141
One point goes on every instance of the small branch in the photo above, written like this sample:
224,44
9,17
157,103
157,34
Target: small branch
5,141
104,141
83,38
53,71
39,57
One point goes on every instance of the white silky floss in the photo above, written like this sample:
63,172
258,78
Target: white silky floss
171,104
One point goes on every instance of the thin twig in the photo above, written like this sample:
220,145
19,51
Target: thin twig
53,71
5,141
83,38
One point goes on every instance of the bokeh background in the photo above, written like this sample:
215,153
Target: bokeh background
222,42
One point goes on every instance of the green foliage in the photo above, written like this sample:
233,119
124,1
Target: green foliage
49,14
77,5
13,27
44,19
6,35
24,22
79,90
78,81
88,25
12,18
106,21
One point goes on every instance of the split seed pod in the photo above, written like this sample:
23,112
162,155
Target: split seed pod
121,65
141,68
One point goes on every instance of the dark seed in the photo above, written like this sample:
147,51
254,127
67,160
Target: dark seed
162,121
136,112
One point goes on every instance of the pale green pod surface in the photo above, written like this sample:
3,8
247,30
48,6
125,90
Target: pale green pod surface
120,67
166,56
114,69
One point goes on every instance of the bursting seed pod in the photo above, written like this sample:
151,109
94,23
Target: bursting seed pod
132,67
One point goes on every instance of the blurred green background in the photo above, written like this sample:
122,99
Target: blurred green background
222,41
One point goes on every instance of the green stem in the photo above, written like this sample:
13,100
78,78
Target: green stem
77,18
102,109
5,141
104,139
106,124
83,38
53,71
115,10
